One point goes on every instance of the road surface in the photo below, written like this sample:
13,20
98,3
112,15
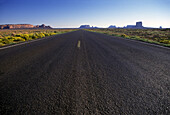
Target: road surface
87,73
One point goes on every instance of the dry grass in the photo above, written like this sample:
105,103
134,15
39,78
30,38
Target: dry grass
21,35
156,36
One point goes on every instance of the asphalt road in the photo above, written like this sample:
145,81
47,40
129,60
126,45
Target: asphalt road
87,73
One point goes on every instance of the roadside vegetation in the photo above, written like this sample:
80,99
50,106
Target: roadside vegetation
20,35
156,36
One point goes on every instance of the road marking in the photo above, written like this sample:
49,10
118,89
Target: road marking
78,44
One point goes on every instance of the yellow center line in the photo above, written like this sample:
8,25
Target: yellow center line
78,44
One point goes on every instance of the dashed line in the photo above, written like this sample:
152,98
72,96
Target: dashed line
78,44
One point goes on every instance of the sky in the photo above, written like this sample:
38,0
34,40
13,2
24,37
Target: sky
73,13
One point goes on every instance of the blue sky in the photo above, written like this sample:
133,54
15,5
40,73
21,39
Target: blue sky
73,13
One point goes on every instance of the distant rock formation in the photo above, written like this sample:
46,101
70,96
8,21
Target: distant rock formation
22,26
42,26
13,26
137,26
111,26
130,26
85,26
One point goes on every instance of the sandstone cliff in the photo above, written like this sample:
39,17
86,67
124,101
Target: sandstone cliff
22,26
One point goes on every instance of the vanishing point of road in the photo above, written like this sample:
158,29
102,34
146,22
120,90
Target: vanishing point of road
86,73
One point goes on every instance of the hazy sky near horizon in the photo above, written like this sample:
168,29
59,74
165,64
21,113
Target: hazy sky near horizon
73,13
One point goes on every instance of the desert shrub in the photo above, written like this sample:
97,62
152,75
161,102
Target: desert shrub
31,35
124,35
34,36
46,34
25,36
2,44
13,36
52,34
18,39
137,37
40,35
165,41
7,41
168,37
7,37
113,34
156,36
18,35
